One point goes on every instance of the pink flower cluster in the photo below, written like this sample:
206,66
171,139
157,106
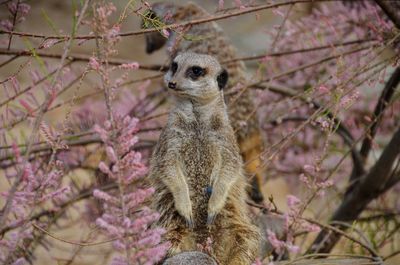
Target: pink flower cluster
293,224
102,27
331,83
38,188
17,9
125,217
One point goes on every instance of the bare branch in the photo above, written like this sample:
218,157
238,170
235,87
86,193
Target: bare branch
172,26
45,105
78,58
383,101
391,9
114,61
370,187
13,25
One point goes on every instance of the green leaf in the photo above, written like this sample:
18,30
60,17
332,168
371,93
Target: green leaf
49,21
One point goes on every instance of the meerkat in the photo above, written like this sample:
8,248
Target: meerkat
196,168
210,39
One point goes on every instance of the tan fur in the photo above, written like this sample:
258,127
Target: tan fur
198,149
210,39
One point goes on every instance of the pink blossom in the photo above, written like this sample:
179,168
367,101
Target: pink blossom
105,196
6,24
57,194
12,7
28,108
15,84
323,89
104,168
303,178
293,248
49,43
20,261
348,100
311,227
125,216
257,262
325,184
278,12
165,32
113,230
111,154
119,261
292,200
277,244
130,66
324,123
309,168
220,4
113,33
103,133
94,63
23,9
239,4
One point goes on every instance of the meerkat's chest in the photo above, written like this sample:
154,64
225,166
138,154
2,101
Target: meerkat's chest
197,151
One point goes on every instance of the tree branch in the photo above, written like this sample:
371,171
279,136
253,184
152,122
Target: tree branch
172,26
370,187
7,207
77,58
381,105
391,10
85,57
342,130
383,101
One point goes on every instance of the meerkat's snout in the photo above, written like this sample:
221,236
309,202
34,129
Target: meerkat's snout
172,85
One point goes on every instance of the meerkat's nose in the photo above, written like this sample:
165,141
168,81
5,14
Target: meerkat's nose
172,85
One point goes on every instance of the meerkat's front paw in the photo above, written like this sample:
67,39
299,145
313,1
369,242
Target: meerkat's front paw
215,205
184,208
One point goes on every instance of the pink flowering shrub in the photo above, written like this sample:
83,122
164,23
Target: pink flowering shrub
125,218
330,84
39,188
81,107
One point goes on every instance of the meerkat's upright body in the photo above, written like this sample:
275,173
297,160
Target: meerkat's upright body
196,167
209,38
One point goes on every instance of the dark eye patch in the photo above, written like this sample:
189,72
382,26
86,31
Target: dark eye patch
174,67
195,72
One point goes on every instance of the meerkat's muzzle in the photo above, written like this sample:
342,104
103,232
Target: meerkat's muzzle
172,85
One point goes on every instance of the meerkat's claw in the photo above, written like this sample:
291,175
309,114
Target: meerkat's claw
211,219
189,223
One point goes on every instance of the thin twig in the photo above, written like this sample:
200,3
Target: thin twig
6,209
82,244
115,61
172,26
383,101
326,226
391,10
13,25
78,58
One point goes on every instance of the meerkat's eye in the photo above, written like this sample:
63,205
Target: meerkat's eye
195,72
174,67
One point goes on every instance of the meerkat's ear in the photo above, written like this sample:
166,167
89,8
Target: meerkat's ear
222,79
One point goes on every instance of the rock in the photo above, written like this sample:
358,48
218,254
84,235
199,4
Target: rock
190,258
276,224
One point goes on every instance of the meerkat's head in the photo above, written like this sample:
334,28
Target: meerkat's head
198,77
